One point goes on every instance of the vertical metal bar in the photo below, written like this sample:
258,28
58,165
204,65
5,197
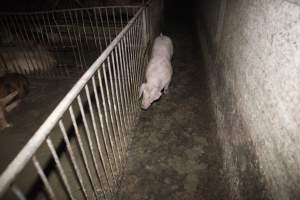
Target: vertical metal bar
132,67
102,26
127,15
43,178
79,47
46,31
26,40
83,153
142,55
27,54
58,29
110,63
119,94
60,168
52,43
109,128
73,160
121,17
146,22
101,155
83,27
132,39
82,48
70,39
98,32
121,127
38,64
125,61
112,109
4,23
139,38
145,33
129,72
39,36
140,46
114,21
108,25
151,31
91,146
61,41
30,55
136,38
52,35
122,82
42,42
33,38
100,115
47,43
20,39
133,11
19,194
135,44
92,27
126,82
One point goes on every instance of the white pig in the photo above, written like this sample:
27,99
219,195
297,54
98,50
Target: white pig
159,71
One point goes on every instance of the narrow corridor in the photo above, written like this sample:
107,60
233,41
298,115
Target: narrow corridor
175,152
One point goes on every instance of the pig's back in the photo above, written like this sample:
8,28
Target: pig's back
159,70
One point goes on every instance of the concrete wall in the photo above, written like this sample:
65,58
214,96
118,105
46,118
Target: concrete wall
252,53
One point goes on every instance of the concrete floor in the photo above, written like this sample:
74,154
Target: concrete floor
43,97
175,152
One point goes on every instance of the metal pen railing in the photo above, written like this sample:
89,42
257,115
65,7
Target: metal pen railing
59,43
80,151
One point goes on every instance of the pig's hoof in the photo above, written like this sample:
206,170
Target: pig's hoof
4,126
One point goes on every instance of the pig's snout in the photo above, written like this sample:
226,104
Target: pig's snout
145,106
149,97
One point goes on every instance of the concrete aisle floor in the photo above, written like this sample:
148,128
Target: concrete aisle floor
175,152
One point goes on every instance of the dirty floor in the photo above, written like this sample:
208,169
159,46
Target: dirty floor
43,97
175,152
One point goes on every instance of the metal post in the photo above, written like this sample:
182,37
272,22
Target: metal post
145,32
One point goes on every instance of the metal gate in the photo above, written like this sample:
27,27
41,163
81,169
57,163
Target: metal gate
80,151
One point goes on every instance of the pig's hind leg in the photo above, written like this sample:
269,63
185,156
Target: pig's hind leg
11,106
3,122
5,100
4,108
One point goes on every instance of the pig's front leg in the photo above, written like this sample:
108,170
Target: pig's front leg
3,123
166,88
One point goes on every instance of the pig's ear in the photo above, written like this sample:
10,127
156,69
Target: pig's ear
157,95
141,90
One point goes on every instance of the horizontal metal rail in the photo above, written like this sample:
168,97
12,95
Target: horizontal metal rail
28,151
84,141
66,10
